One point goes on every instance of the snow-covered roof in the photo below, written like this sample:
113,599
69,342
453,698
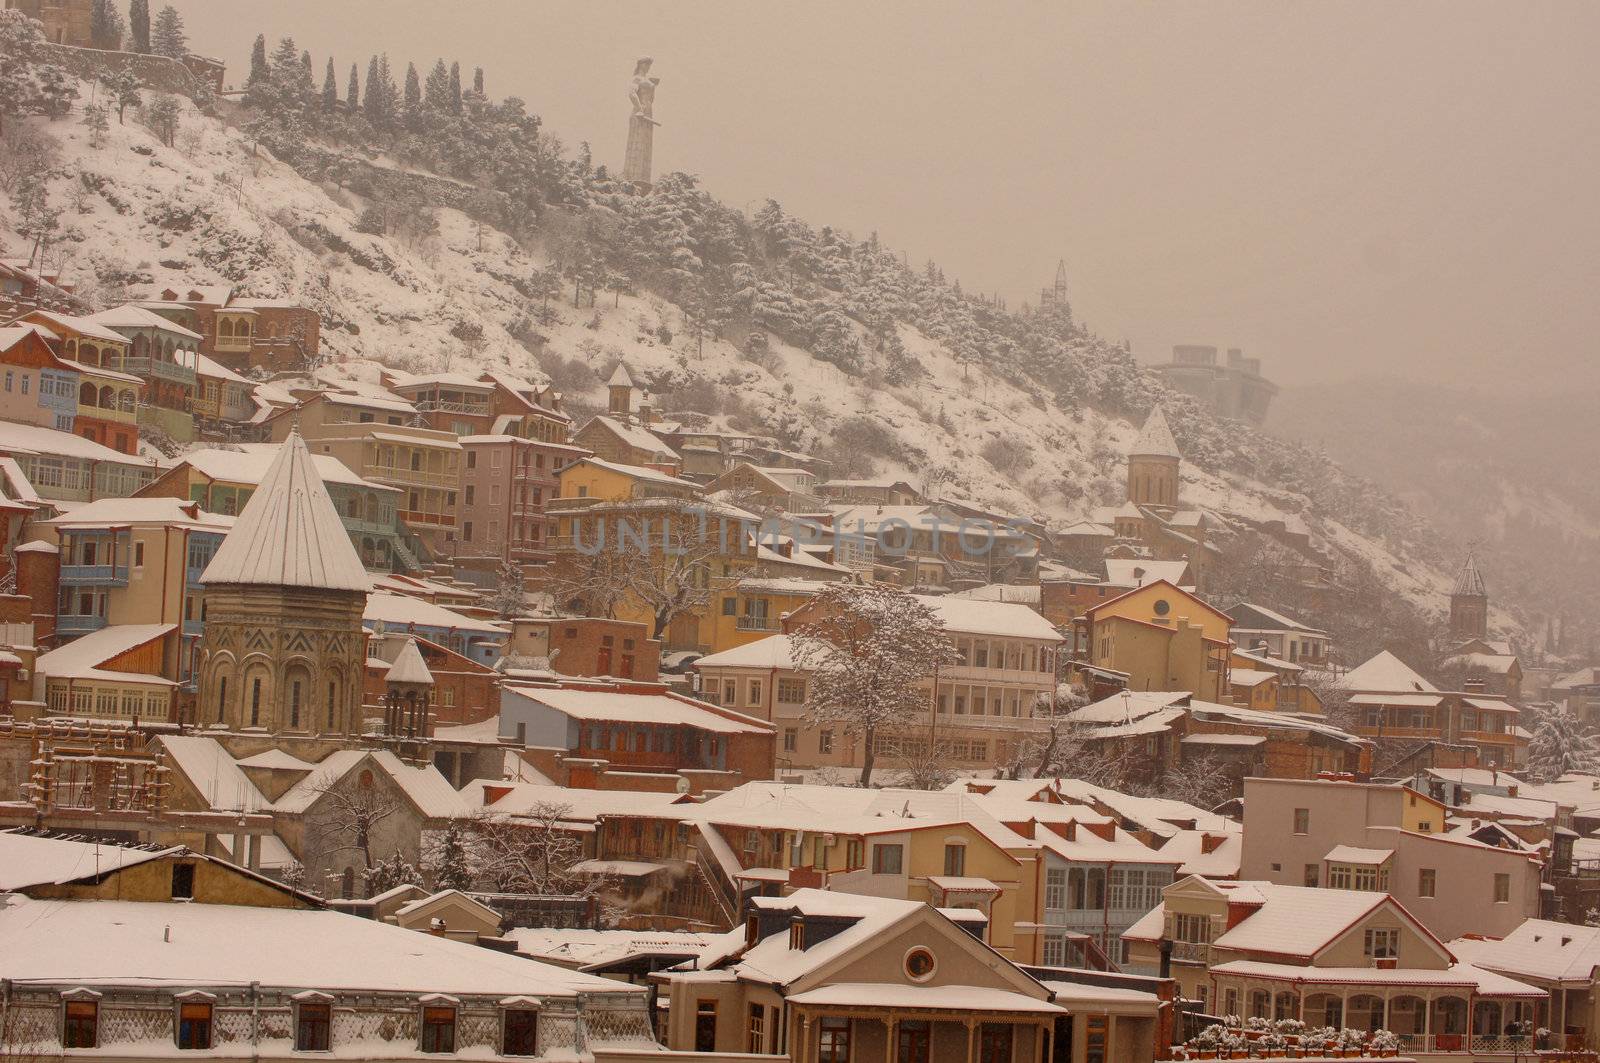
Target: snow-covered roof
277,760
1538,948
18,438
590,948
1249,677
1384,673
28,860
578,805
132,316
81,658
249,464
966,616
1223,740
1461,975
1138,571
1494,663
428,790
1469,581
289,533
385,401
1011,593
1271,616
896,995
125,512
409,667
84,326
625,707
854,810
210,367
208,945
774,651
620,378
214,773
400,611
1155,438
635,437
1299,920
1354,854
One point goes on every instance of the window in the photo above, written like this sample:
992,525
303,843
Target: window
705,1026
79,1024
138,554
438,1029
755,1036
791,739
255,702
886,859
825,742
182,882
1313,872
1379,944
755,692
294,703
729,606
792,691
1195,929
852,854
730,692
194,1026
833,1041
1302,821
1426,881
1056,889
313,1024
920,965
1502,888
1055,951
955,860
520,1033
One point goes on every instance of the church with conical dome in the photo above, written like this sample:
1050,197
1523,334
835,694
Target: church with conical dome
284,650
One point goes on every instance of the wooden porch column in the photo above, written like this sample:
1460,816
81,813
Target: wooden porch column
972,1033
1427,1023
889,1026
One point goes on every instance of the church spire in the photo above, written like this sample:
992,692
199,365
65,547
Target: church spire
289,533
1155,439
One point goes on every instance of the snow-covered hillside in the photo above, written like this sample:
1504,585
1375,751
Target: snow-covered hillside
139,216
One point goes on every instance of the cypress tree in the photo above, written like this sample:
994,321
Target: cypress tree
352,96
258,59
330,88
455,88
139,25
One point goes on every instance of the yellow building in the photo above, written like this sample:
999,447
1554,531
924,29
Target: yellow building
1160,637
752,609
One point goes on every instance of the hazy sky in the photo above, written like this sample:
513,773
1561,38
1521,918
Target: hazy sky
1341,188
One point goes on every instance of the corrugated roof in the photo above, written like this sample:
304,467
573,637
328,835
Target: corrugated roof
289,534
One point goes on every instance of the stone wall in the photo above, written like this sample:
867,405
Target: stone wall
156,72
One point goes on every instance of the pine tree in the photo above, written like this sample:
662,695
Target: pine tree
168,37
373,104
57,90
450,864
139,25
105,25
258,59
294,875
413,97
352,95
20,38
477,81
387,92
436,90
98,122
330,89
122,89
455,88
1560,746
395,871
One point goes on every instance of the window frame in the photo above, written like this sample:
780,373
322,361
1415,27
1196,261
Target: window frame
427,1020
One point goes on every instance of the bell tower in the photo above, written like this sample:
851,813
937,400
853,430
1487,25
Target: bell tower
1153,465
1469,604
620,387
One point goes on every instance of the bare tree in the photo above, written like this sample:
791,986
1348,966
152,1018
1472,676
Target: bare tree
926,765
533,852
351,818
868,651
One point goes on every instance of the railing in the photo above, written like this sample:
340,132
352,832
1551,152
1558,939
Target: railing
440,406
1191,952
405,475
1500,1044
232,343
108,413
756,623
94,576
159,368
431,520
74,624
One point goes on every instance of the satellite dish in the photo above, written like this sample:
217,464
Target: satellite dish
682,785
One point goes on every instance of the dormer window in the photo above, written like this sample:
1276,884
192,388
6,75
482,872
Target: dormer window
797,935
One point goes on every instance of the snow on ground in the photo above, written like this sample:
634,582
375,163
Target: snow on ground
215,208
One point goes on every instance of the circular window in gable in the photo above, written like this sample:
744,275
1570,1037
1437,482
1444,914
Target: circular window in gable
1162,607
920,964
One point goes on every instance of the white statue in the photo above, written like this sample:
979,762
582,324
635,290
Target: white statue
642,124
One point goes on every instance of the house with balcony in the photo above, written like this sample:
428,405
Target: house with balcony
373,437
1402,711
753,608
242,332
222,481
506,483
165,355
119,673
458,403
1561,958
39,387
67,467
641,727
1375,837
1275,634
1328,957
106,396
136,561
1161,637
223,401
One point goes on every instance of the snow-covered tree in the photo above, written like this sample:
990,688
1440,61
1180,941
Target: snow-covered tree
167,37
449,862
1560,745
352,92
98,122
330,88
868,650
20,38
294,875
510,597
258,59
162,115
350,818
1591,917
122,91
105,25
532,853
392,872
139,25
57,90
413,97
